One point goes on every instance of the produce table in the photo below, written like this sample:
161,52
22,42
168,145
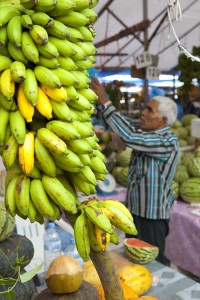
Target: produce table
168,284
183,241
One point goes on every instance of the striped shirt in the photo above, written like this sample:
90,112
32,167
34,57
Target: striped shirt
152,166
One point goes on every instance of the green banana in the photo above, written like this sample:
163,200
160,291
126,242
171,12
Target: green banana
90,14
98,217
4,120
73,19
7,104
47,77
80,115
68,162
93,240
10,202
81,104
28,4
30,87
32,211
88,48
7,13
84,64
10,152
100,155
81,76
79,184
83,129
29,48
82,4
65,77
66,131
44,159
64,47
22,196
48,63
67,63
119,219
86,33
17,126
100,176
89,94
71,92
79,147
16,53
41,200
18,71
7,136
4,51
74,115
35,173
61,110
48,50
3,36
44,5
59,30
62,7
14,31
5,63
65,182
89,175
75,35
81,234
57,210
93,144
14,171
114,239
93,3
120,205
85,159
39,34
26,21
92,189
52,141
59,194
98,165
79,53
43,19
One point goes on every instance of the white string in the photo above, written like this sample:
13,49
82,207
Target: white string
171,4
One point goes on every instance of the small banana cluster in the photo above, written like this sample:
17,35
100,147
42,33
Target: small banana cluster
95,227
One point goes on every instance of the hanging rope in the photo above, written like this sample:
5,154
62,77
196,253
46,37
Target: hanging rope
178,14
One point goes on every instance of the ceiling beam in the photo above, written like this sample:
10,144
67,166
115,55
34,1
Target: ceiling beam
111,54
104,8
123,33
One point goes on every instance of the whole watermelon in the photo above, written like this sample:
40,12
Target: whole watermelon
139,251
193,167
175,189
181,174
190,190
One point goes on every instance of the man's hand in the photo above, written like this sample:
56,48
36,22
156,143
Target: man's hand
97,87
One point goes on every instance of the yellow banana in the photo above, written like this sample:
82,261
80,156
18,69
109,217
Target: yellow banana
47,77
26,154
119,219
59,194
10,202
10,152
25,107
18,126
61,110
52,141
4,120
81,235
103,238
29,48
22,195
41,200
14,31
7,84
120,205
30,87
43,104
57,94
64,130
18,71
39,34
44,159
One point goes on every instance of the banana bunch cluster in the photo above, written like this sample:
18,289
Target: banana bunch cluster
95,227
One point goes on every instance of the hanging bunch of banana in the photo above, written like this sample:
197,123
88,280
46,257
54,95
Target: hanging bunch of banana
95,227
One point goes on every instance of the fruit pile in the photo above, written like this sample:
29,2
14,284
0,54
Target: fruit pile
47,141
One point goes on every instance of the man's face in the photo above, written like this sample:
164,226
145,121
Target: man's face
150,119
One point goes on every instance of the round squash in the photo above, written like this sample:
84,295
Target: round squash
137,277
64,275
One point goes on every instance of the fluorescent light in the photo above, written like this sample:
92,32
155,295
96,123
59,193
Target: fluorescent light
130,89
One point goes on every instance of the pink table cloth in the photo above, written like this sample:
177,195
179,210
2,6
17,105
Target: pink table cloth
183,241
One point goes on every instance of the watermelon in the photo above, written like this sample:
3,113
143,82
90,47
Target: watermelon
139,251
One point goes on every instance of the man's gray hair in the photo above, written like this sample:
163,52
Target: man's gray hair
167,108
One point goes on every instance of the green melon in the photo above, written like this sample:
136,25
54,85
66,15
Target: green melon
139,251
181,174
175,189
186,119
193,167
123,158
190,190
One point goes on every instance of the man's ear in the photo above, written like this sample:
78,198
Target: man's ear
164,121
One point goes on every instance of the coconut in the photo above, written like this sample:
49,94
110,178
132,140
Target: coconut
64,275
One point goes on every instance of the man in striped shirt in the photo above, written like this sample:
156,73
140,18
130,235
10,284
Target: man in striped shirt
152,166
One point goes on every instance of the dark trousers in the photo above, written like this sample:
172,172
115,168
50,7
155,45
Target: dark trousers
153,232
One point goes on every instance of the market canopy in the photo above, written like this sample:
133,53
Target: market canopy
120,31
